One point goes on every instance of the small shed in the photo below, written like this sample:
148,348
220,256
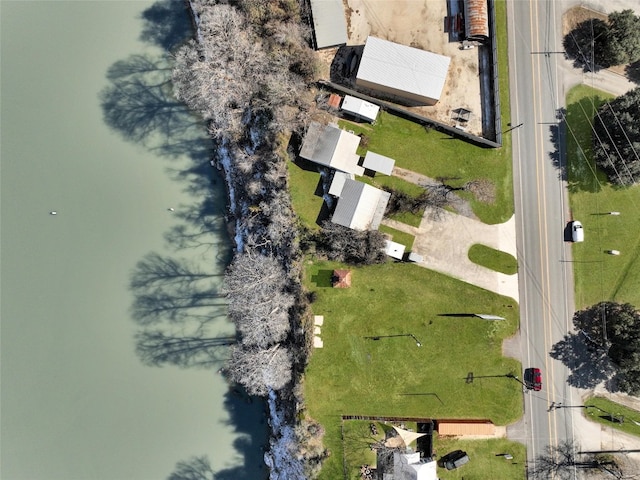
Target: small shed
378,163
334,101
360,108
341,278
394,250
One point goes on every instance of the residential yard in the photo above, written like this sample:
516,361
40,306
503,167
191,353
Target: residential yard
599,276
392,376
486,455
486,459
437,155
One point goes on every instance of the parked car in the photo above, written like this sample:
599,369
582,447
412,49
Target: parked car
533,379
577,232
455,459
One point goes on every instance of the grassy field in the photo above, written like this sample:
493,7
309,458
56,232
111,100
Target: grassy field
493,259
606,407
599,276
356,375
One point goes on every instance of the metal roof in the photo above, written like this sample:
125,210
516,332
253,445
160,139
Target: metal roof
337,183
476,19
403,68
332,147
360,206
378,163
329,23
361,108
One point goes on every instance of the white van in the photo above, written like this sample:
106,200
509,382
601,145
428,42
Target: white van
577,232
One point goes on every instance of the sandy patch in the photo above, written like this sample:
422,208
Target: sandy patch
421,24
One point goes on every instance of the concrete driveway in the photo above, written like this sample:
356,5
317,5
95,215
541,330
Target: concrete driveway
444,240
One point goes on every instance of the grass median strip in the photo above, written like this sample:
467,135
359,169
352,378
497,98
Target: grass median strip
494,259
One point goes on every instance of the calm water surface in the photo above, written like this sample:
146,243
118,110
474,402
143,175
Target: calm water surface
76,401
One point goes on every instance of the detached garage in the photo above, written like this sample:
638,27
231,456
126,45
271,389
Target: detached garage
406,72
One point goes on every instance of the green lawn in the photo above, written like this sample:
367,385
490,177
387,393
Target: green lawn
485,459
493,259
436,154
353,375
607,407
599,276
306,193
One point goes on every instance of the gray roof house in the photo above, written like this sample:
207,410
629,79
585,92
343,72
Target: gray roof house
332,147
360,206
406,72
329,23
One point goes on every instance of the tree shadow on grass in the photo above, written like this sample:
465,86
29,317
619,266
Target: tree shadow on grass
589,365
581,171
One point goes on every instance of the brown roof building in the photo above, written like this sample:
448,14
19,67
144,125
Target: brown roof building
341,278
466,427
476,20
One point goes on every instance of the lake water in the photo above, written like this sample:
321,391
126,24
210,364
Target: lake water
77,403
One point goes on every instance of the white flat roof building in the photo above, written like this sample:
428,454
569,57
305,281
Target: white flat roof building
360,108
378,163
407,72
394,249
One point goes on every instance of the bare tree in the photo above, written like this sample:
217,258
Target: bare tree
562,461
259,370
254,275
261,321
351,246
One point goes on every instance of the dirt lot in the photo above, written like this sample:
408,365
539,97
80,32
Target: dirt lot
420,24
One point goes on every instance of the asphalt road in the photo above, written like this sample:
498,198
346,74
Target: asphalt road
542,215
